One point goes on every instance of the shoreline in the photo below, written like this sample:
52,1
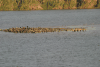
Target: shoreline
50,9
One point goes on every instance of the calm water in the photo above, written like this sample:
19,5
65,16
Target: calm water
63,49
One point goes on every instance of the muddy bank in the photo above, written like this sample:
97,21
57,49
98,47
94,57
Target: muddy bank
48,4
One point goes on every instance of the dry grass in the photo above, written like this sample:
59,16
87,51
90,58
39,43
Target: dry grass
48,4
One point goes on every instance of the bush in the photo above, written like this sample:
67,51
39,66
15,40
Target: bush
8,5
30,5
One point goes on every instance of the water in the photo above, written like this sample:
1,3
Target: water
58,49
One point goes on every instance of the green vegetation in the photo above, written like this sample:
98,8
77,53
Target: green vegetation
88,4
98,4
6,5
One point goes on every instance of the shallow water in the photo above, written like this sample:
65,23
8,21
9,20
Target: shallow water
58,49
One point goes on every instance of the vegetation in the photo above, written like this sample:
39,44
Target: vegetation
47,4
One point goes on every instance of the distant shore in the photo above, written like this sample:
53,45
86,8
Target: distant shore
15,5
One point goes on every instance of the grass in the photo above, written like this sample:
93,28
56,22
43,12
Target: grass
6,5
